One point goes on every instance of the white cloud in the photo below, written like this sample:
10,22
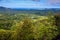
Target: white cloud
54,2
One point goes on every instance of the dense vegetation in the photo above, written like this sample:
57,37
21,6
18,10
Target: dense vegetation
29,27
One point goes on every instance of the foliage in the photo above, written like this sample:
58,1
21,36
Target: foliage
6,24
26,29
5,34
57,20
46,30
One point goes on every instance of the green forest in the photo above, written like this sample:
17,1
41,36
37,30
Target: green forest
24,26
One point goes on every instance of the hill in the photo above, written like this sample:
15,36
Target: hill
41,11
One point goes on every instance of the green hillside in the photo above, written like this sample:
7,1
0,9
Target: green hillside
26,26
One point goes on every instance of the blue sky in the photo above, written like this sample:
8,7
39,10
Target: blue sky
30,3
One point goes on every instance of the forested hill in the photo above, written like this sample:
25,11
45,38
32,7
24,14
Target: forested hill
41,11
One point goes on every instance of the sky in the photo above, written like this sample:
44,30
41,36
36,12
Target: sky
30,3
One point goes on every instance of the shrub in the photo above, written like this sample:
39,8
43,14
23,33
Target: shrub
46,29
28,30
57,19
57,23
5,34
25,30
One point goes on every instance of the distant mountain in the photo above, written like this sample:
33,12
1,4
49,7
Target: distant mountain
16,9
28,10
4,9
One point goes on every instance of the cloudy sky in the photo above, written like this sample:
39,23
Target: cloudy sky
30,3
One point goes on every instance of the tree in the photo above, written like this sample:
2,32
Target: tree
46,29
25,30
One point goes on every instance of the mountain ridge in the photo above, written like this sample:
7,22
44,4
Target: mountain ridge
29,11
